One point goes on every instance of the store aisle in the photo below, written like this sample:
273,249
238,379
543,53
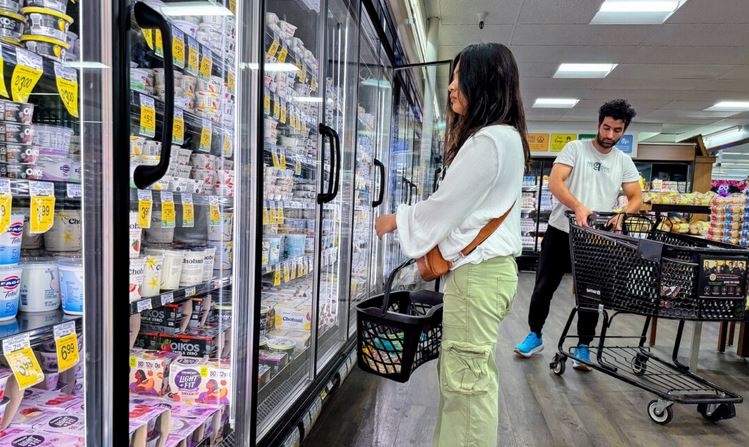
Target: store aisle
537,407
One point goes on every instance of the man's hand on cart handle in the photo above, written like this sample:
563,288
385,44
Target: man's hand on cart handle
582,216
616,223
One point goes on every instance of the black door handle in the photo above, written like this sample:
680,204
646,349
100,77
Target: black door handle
148,18
327,133
413,186
381,193
337,169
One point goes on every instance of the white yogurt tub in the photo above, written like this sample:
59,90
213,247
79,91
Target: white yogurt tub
10,240
137,271
192,268
171,267
47,22
65,234
57,5
10,285
208,261
40,286
11,24
152,274
71,286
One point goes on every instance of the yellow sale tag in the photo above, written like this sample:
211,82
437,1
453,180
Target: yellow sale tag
6,201
273,215
3,88
231,81
279,215
147,116
205,136
25,367
273,48
168,216
67,351
282,55
303,74
148,35
42,215
298,168
214,215
133,362
178,127
206,64
282,117
266,220
178,47
266,104
193,56
283,160
276,107
277,276
26,74
67,86
145,206
286,273
159,50
188,215
276,162
313,84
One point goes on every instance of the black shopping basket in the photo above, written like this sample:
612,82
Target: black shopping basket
398,331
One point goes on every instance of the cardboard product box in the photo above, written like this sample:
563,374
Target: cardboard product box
148,420
149,340
52,400
169,315
149,371
71,424
293,318
193,343
274,360
22,437
206,417
195,380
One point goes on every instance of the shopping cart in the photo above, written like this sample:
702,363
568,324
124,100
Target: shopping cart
398,331
648,272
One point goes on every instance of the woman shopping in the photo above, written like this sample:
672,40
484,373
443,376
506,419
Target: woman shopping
486,154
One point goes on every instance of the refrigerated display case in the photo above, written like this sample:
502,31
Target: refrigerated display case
182,200
536,209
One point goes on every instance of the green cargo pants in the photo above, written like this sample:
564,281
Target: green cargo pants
477,298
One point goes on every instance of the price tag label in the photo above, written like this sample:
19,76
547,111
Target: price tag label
188,211
6,201
191,291
206,62
286,273
266,214
277,276
193,56
282,158
273,48
206,134
233,6
231,81
159,44
214,213
147,116
227,149
178,127
167,298
148,36
3,88
279,215
144,305
67,86
273,214
275,159
298,167
73,190
22,361
42,207
276,107
313,84
282,55
282,115
266,104
168,215
178,47
66,341
26,74
145,206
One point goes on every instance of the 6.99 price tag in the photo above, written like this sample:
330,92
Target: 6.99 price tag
66,342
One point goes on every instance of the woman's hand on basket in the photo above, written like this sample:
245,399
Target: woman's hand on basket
385,224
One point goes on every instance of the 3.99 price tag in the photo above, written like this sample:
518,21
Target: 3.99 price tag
168,215
42,207
206,63
193,56
188,211
22,361
145,207
26,74
66,342
147,116
67,86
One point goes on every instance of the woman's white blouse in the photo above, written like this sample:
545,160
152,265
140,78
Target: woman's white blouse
482,182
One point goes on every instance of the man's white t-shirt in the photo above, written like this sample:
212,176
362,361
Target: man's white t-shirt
595,180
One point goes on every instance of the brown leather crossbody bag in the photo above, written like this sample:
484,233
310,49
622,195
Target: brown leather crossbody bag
433,265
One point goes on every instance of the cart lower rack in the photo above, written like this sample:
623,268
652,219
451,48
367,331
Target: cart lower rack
654,274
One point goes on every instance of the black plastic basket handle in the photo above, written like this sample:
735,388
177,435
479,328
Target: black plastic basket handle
389,284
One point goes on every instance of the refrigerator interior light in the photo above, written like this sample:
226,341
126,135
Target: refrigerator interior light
203,8
307,99
272,66
635,12
379,83
85,64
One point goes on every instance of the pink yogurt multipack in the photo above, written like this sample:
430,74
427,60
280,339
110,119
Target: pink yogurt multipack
149,371
17,437
198,380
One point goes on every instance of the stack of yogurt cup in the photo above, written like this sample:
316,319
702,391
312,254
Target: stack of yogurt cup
18,155
12,23
46,30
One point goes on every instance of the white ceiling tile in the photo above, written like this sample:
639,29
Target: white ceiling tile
464,12
558,11
578,34
690,54
463,35
737,72
561,53
670,71
702,34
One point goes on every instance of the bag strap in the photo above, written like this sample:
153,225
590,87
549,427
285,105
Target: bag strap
487,231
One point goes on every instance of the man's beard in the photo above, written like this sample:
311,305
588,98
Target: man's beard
601,142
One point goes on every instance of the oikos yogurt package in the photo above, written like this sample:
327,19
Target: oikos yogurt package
10,241
10,284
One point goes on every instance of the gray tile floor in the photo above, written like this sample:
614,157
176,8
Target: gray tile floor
538,408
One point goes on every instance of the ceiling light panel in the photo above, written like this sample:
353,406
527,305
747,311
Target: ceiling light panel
555,103
729,106
635,12
584,70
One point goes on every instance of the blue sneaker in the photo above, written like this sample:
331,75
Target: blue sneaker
531,345
583,353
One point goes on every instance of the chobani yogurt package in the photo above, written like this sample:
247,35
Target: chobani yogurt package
18,437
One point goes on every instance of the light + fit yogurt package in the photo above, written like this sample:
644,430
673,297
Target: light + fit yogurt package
198,380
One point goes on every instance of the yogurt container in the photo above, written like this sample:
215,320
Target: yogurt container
11,239
224,256
65,234
156,233
152,274
135,235
56,5
10,282
56,169
263,321
192,268
208,261
5,374
40,286
47,23
171,267
19,153
19,171
53,137
45,46
71,286
137,272
48,361
16,112
11,24
222,231
16,133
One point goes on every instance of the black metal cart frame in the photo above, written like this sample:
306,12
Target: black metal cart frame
647,272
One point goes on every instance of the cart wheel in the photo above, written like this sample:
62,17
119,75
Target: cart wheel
558,365
660,417
723,411
639,364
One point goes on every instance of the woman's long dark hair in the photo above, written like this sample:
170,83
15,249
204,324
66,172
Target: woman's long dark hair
490,82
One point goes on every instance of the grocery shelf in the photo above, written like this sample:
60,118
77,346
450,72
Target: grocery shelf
197,199
193,121
177,296
64,191
38,325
